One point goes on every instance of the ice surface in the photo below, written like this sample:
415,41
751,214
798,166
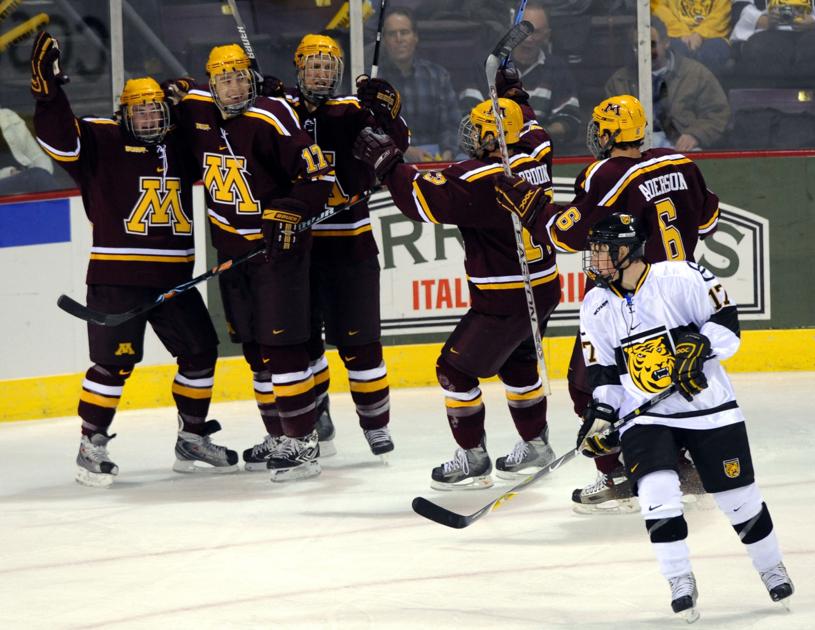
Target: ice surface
344,550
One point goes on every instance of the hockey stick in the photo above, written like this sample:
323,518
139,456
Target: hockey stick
443,516
244,36
501,52
72,307
375,63
519,16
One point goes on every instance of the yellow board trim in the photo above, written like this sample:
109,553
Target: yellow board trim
408,366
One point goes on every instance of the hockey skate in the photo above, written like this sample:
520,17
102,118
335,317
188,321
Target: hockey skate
94,468
325,429
380,441
191,448
295,458
526,458
608,494
255,458
683,597
468,470
778,583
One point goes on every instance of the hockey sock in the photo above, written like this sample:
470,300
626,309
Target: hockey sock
322,377
101,391
293,386
524,392
368,381
264,392
192,390
463,403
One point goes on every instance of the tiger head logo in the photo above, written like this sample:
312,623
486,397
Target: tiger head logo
696,9
650,364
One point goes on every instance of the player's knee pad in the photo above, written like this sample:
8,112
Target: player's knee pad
113,375
756,528
452,379
660,495
251,352
363,357
666,530
198,364
284,359
519,373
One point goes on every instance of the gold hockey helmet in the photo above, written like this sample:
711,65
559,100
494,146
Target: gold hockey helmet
232,82
478,130
319,63
621,117
144,111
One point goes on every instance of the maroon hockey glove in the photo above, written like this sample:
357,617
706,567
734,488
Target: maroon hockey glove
176,89
380,97
271,86
378,151
516,195
46,74
508,85
692,350
279,225
597,419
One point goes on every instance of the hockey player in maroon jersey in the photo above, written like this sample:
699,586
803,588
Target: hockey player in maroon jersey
660,186
262,174
344,266
494,336
136,188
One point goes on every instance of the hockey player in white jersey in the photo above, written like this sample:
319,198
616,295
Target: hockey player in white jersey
645,327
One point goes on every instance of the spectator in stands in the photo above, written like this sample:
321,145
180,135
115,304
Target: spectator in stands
775,37
546,78
24,167
429,103
691,110
698,29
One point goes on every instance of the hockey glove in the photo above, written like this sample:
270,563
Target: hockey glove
176,89
380,97
378,151
271,86
514,194
508,85
597,419
279,225
692,350
46,74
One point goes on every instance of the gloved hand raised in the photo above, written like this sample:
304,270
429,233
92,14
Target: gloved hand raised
508,85
597,419
378,151
380,97
176,89
46,74
692,350
516,195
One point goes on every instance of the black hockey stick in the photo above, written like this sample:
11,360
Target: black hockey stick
443,516
519,16
72,307
375,63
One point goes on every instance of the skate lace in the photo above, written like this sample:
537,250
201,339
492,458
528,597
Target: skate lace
286,447
96,453
682,586
775,576
378,436
599,484
265,446
459,462
213,450
518,453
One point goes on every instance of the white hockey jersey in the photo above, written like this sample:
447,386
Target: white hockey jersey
628,344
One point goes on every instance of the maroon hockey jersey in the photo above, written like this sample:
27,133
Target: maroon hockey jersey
137,196
662,187
249,161
463,195
335,125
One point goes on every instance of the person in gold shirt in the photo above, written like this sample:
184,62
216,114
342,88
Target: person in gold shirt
698,29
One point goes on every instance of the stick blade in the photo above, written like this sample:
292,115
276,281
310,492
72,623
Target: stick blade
438,514
513,37
72,307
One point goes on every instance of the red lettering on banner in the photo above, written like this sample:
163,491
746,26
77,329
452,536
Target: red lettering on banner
428,295
572,287
415,295
443,297
460,302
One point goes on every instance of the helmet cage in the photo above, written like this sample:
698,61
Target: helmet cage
319,75
593,135
470,138
236,108
151,129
